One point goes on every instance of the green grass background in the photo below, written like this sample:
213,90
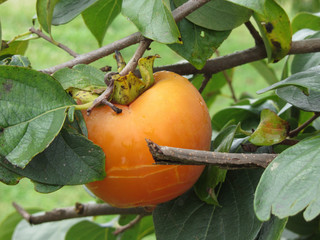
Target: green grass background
16,17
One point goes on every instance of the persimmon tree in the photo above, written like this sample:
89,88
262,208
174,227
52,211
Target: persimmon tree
261,176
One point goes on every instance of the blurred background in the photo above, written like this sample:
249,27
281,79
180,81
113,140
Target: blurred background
16,18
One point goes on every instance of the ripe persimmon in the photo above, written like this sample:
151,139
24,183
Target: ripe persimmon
170,113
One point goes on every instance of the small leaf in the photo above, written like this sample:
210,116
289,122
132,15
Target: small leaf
18,60
52,230
9,224
198,43
66,10
153,18
271,130
300,89
32,112
70,159
255,5
86,229
187,217
218,15
45,188
100,15
275,29
45,10
306,20
288,186
15,48
140,230
81,76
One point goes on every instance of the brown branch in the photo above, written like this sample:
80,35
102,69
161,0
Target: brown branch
60,45
79,210
171,155
254,33
205,81
121,229
132,64
185,9
256,53
296,131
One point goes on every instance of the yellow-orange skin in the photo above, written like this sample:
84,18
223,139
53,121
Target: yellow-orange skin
170,113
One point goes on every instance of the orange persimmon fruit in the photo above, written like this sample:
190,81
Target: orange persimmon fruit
170,113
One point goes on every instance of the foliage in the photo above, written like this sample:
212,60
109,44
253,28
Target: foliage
43,134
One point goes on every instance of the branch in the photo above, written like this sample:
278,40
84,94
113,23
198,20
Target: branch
254,33
256,53
180,156
296,131
60,45
79,210
121,229
179,13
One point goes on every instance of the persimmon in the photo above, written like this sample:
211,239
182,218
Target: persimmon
170,113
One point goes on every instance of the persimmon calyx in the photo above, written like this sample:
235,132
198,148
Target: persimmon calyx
129,87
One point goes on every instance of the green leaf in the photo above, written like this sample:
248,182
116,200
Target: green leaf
255,5
8,177
45,10
272,230
9,224
299,225
306,20
66,10
32,111
218,15
15,48
153,18
275,30
45,188
302,62
187,217
198,43
144,228
271,130
248,114
265,71
50,231
300,89
18,60
288,186
100,15
70,159
81,76
85,230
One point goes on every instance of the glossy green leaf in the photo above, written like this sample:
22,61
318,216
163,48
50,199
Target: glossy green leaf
15,48
81,76
218,15
302,62
86,229
288,186
66,10
271,130
8,225
255,5
198,43
140,230
187,217
50,231
70,159
272,230
45,10
153,18
32,112
18,60
300,89
306,20
275,29
265,71
100,15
